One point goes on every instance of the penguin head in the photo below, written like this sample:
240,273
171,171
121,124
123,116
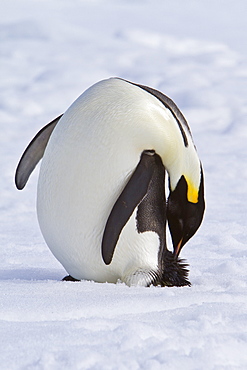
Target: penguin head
185,211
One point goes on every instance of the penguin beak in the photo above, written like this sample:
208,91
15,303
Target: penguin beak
184,216
178,248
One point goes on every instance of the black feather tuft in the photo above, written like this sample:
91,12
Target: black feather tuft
174,272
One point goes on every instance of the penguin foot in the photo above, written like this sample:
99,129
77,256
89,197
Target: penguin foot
69,278
142,277
175,272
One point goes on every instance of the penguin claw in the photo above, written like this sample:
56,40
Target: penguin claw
69,278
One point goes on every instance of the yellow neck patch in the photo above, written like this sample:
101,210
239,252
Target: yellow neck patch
192,193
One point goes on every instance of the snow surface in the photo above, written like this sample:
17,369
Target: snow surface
193,51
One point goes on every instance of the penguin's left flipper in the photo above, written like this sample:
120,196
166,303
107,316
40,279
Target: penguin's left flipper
33,153
133,193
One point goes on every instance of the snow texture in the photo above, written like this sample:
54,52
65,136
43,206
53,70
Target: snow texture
193,51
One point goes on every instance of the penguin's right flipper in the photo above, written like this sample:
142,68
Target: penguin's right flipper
33,153
129,199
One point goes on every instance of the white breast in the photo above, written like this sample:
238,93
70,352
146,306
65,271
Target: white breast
89,158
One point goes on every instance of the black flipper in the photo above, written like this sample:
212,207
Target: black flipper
129,199
33,153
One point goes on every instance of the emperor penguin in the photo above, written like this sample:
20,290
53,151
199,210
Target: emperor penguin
101,199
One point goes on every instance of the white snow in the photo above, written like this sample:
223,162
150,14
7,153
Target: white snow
193,51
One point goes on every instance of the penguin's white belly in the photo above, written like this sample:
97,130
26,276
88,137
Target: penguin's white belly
74,202
90,156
